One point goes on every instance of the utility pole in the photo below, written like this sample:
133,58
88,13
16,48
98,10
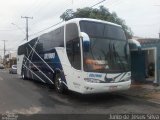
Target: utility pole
27,25
4,50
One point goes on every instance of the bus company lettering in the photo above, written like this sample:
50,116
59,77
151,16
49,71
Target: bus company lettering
49,55
95,75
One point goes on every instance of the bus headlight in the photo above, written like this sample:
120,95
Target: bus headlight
91,80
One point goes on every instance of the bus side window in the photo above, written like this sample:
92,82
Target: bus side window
69,49
74,53
73,45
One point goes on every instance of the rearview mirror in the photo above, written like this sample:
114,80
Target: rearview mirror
85,41
134,45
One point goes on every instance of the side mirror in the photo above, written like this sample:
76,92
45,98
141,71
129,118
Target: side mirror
134,45
85,41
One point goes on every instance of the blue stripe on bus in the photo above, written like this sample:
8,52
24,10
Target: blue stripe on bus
56,64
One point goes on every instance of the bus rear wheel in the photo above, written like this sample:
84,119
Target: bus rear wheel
60,88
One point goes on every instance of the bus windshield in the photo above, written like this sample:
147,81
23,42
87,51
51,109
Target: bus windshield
108,48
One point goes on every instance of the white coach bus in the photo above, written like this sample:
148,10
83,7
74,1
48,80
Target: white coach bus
81,55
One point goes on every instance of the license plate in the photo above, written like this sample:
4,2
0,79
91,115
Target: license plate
112,88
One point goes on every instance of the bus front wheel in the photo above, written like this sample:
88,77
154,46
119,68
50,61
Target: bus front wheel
59,84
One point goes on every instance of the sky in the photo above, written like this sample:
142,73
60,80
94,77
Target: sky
142,16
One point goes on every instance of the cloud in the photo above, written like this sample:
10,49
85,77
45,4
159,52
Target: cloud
141,15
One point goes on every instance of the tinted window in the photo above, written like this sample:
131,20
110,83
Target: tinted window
21,50
101,30
71,31
73,53
73,45
106,56
52,39
25,48
38,47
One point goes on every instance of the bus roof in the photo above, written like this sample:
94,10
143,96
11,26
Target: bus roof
89,19
75,20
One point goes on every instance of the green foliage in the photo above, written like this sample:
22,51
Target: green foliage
102,13
67,15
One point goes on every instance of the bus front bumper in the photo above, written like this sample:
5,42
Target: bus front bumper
105,87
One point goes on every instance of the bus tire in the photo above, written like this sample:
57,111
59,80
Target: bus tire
60,88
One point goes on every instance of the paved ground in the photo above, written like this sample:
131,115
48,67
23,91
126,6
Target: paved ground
146,91
28,97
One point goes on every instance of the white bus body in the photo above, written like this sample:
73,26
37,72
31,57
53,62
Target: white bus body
82,55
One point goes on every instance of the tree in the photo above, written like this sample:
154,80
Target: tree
101,13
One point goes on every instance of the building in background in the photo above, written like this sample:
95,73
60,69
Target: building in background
145,63
10,59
